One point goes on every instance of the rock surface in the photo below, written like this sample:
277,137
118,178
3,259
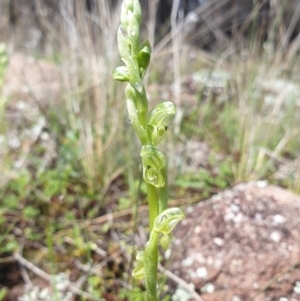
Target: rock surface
243,244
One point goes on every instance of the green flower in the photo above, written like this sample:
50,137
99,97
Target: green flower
167,220
159,119
154,163
144,57
121,74
139,271
166,240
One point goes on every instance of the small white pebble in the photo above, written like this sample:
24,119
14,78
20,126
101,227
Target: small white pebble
181,294
279,219
197,230
255,285
208,288
236,298
239,218
262,184
218,241
275,236
202,272
235,208
283,299
188,262
21,105
44,293
45,136
297,289
192,17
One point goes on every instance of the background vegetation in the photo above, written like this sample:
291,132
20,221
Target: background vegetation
79,211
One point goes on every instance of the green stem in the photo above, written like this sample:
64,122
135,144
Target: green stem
150,263
152,204
163,193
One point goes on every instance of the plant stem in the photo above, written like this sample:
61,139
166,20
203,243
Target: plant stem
152,203
150,262
163,194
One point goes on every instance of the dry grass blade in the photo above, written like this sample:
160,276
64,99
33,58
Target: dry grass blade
180,281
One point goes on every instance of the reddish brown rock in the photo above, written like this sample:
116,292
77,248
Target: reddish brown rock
244,242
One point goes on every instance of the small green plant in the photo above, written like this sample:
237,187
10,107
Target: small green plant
151,128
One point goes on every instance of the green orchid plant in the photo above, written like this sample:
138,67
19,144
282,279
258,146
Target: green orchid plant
151,128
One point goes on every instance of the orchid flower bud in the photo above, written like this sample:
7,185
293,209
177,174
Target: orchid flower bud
144,57
166,240
159,119
139,271
166,221
121,74
154,162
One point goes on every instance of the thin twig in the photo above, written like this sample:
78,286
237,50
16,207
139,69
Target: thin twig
42,274
180,281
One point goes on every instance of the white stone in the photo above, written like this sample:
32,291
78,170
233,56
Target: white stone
279,219
262,184
188,262
235,208
275,236
197,230
239,218
202,272
218,241
182,294
208,288
297,289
